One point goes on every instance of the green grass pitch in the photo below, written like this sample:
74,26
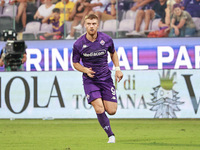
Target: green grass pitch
86,134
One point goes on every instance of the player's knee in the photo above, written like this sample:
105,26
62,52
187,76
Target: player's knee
99,109
111,112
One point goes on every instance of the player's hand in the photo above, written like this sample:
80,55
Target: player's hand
90,72
118,75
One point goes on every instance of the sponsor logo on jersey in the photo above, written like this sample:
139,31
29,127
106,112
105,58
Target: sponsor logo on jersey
96,53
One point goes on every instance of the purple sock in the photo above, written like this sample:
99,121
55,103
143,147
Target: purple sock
105,123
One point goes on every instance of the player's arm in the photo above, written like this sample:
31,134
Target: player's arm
118,73
83,69
76,62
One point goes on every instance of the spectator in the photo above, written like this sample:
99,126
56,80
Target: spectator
193,7
79,11
57,23
185,25
140,4
55,1
164,23
67,7
180,2
110,11
21,13
168,12
44,10
94,6
2,3
99,5
148,13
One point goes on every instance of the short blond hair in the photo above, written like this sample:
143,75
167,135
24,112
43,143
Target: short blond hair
91,16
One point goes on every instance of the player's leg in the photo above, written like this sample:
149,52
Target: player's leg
98,105
110,107
93,93
102,117
109,97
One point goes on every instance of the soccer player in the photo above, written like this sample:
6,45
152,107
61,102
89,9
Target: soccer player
93,48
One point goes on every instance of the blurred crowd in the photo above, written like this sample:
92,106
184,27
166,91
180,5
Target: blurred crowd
58,19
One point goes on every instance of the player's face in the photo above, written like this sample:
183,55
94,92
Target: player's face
91,26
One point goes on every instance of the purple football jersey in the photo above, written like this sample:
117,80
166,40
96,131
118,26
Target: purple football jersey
94,55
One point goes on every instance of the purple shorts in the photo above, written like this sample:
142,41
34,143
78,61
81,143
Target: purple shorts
101,89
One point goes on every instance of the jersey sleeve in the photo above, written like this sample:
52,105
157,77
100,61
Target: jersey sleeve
75,55
111,47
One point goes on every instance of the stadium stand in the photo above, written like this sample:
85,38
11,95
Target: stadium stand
31,30
130,14
33,26
154,25
6,22
9,10
125,26
30,12
113,28
44,28
100,25
110,27
197,23
68,27
1,10
28,36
